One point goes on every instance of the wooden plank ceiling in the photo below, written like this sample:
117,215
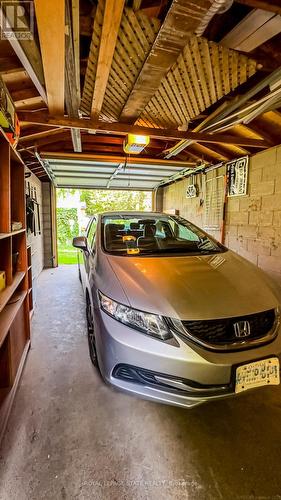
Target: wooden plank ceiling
95,71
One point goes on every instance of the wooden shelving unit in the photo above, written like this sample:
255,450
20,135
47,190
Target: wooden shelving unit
30,280
14,298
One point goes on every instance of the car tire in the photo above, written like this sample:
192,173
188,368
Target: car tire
91,333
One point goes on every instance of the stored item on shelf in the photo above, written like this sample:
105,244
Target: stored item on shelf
2,280
9,121
15,258
16,226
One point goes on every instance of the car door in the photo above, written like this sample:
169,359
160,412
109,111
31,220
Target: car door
89,257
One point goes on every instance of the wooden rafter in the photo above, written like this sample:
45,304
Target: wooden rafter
111,22
51,27
29,55
72,83
263,5
124,129
39,135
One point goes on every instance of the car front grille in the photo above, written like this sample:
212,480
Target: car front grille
223,332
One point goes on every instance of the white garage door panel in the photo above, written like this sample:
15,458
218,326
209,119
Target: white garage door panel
109,174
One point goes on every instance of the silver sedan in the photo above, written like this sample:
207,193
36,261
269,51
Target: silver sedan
172,314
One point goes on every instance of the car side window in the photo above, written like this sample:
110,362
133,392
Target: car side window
92,233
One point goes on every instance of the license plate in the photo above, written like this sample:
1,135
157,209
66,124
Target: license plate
257,374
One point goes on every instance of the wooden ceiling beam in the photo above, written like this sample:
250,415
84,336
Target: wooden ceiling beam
182,20
111,23
23,94
210,153
255,29
51,27
40,135
72,78
124,129
29,55
262,4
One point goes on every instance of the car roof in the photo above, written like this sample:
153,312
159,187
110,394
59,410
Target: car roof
133,213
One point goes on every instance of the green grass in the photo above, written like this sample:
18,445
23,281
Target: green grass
67,255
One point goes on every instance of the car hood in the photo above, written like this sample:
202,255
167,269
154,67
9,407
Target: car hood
194,287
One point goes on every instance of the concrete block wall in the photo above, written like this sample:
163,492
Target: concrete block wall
254,221
253,226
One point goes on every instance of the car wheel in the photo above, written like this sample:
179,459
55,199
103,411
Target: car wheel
91,333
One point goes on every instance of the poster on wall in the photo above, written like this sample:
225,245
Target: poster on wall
237,174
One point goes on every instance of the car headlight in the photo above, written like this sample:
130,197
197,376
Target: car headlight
151,324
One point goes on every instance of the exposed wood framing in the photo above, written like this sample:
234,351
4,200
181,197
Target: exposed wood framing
72,97
51,27
39,135
124,129
256,28
262,4
111,22
181,21
203,74
29,55
135,38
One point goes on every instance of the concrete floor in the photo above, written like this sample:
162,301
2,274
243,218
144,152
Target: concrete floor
72,437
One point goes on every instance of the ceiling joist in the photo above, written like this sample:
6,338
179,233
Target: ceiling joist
51,27
111,22
28,54
72,85
124,129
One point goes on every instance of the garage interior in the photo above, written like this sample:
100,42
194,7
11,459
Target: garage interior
201,80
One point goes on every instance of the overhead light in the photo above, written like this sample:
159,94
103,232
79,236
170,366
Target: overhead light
134,144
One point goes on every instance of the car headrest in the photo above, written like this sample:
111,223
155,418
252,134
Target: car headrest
115,227
134,225
147,221
149,230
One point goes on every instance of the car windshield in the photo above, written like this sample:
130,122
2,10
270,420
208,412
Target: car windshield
155,235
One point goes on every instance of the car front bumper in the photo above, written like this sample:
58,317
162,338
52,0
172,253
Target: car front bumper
180,374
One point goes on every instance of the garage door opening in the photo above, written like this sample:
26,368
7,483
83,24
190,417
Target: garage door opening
76,206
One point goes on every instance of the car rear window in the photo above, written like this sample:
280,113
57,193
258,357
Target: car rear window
157,235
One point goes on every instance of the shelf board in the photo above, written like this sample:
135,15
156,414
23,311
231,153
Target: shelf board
12,233
8,314
6,294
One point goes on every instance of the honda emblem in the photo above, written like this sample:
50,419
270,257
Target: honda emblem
242,329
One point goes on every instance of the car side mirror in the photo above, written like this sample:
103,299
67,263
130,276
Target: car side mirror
80,242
